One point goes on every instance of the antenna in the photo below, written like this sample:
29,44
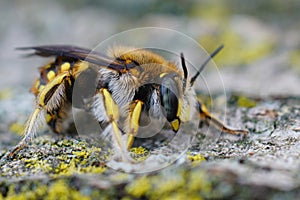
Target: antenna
185,71
193,79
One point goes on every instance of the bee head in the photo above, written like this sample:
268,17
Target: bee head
170,90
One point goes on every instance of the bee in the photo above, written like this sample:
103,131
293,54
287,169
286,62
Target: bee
130,86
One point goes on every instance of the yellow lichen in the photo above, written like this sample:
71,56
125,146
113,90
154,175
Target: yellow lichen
238,50
295,60
197,158
60,190
17,128
139,187
180,196
6,94
38,193
139,153
211,10
76,162
198,182
93,169
37,165
120,177
245,102
167,186
76,167
180,184
80,153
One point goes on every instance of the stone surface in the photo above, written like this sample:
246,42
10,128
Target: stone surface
264,164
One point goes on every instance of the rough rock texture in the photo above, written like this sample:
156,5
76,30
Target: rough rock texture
264,164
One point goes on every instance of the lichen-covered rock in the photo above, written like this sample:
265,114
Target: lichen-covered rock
264,164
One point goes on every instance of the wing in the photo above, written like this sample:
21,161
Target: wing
75,53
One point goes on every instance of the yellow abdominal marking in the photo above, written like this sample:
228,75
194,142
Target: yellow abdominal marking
50,75
65,67
56,81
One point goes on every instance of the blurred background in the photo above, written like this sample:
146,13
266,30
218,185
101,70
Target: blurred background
261,38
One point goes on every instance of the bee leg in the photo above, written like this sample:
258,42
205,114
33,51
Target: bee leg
107,105
134,117
207,116
52,97
29,131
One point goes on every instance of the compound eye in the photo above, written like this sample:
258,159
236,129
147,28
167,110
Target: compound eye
169,97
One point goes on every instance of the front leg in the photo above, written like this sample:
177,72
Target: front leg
133,121
204,114
105,109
